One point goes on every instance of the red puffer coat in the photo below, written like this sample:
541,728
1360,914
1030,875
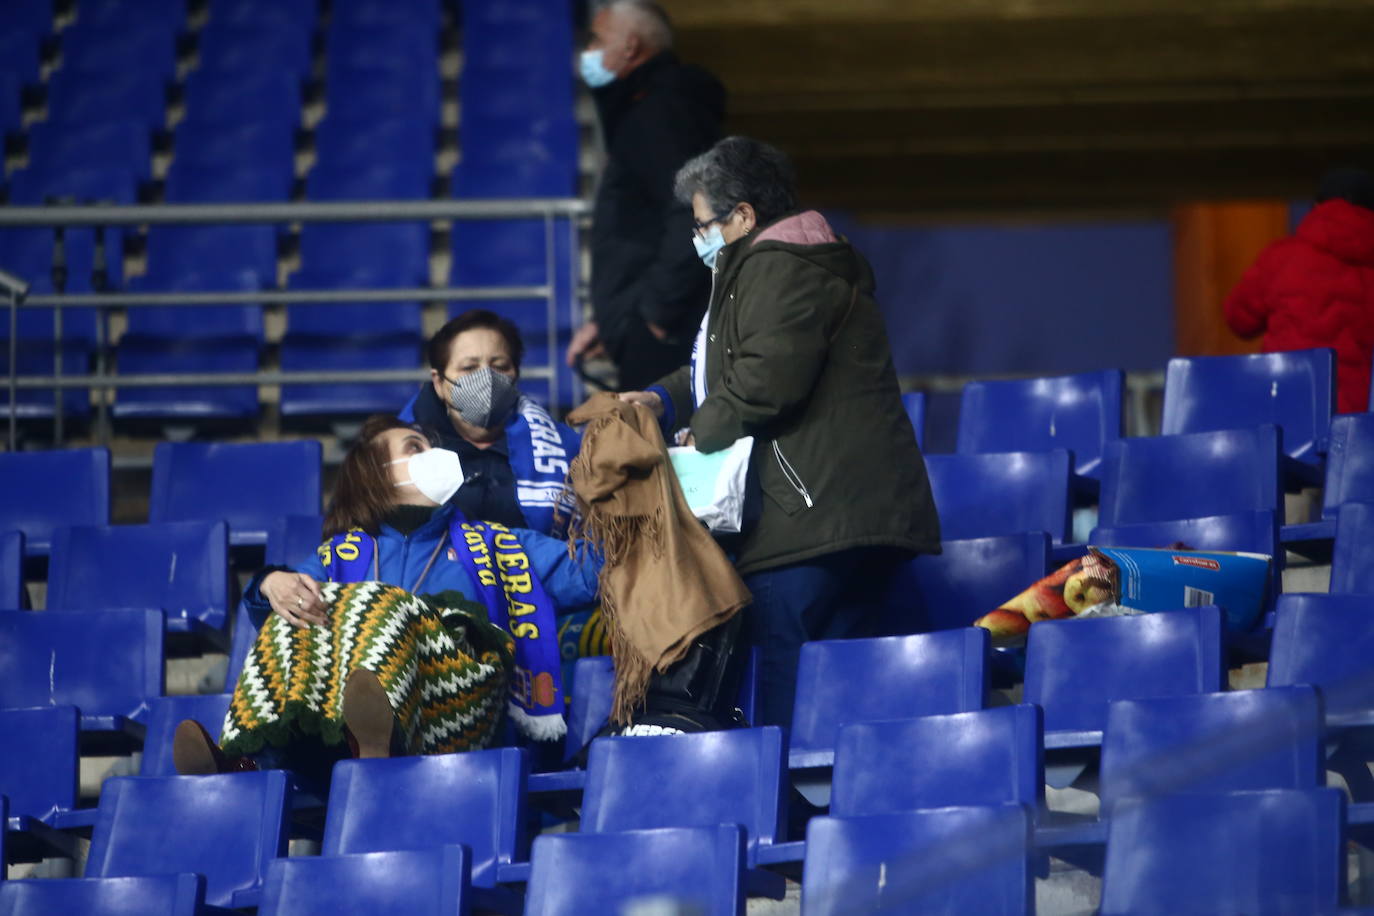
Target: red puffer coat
1316,289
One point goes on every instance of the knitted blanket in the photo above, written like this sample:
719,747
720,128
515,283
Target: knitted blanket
445,671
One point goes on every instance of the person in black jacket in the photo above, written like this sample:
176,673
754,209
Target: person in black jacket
648,289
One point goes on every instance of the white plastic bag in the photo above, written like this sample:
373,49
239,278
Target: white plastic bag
714,483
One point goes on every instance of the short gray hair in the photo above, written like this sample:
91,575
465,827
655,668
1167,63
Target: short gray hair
740,170
647,19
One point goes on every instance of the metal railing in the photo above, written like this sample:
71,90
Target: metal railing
549,210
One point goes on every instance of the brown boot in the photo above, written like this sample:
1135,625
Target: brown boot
368,714
195,753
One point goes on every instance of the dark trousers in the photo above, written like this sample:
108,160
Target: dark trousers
642,359
834,596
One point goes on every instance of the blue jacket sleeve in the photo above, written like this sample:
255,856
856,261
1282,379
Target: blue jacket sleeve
256,603
571,582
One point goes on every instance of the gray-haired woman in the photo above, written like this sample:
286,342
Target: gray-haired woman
793,352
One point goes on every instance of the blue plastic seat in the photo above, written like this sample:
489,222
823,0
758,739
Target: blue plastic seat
180,567
19,53
344,142
1327,641
1191,475
196,258
513,91
170,14
228,827
592,699
535,44
347,354
1349,474
291,538
269,95
206,141
1284,852
195,184
11,109
406,47
170,895
350,320
12,594
422,882
68,146
108,664
966,580
914,402
1075,668
387,12
698,868
1294,391
1002,493
1352,562
475,799
120,47
492,138
136,95
40,491
292,14
165,713
527,170
1081,413
934,860
253,47
192,403
692,780
986,757
397,253
389,179
95,181
857,680
38,771
381,92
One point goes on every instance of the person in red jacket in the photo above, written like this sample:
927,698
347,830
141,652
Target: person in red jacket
1316,287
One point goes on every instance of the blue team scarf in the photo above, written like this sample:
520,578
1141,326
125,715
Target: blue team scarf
515,600
540,453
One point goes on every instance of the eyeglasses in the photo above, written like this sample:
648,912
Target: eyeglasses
699,227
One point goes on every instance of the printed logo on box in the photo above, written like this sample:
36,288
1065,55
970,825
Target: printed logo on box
1199,562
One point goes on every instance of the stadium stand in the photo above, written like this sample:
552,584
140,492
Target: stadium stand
999,493
436,882
173,895
963,582
42,491
1352,571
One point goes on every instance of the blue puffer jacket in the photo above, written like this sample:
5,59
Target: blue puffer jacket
571,583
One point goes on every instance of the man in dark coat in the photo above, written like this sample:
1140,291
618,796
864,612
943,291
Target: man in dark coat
648,288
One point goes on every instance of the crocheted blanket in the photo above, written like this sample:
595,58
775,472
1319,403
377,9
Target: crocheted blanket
445,670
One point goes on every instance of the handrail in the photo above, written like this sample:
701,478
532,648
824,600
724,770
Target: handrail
288,296
360,211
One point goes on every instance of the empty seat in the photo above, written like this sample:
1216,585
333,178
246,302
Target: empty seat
963,582
40,491
68,146
108,664
19,52
343,141
169,14
348,399
1349,474
493,138
1352,561
1294,391
1191,476
915,404
290,14
475,799
38,770
227,184
387,12
692,780
136,95
206,258
291,538
248,485
935,860
146,47
700,869
1002,493
406,47
415,882
396,254
521,90
268,95
179,567
168,895
11,109
526,170
12,595
164,714
382,179
254,47
1081,413
897,677
193,403
228,827
1075,668
383,92
206,140
1283,852
1327,641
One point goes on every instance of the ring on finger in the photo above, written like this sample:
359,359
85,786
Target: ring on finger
300,602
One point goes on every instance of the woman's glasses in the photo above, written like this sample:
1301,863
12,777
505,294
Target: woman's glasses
699,227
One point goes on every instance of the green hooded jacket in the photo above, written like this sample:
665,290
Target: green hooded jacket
797,356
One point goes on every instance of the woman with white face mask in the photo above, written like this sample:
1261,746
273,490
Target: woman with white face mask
514,454
346,649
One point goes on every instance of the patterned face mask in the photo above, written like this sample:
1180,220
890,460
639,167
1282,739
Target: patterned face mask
485,398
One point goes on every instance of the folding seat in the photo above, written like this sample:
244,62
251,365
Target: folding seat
902,677
476,799
395,254
147,47
406,179
387,12
347,399
292,14
526,169
693,780
292,538
514,91
1190,475
191,258
1294,391
381,92
495,139
1075,668
1276,851
164,714
106,663
167,13
11,111
228,828
70,146
406,46
1349,474
171,895
934,860
253,47
19,54
963,582
194,183
267,95
181,568
135,95
701,869
1002,493
343,142
38,771
1352,563
35,16
1081,413
12,594
914,402
538,45
40,491
1327,641
415,882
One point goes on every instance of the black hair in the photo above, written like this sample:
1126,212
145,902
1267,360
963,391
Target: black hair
440,345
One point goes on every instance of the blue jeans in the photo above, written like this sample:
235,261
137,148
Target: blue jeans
828,597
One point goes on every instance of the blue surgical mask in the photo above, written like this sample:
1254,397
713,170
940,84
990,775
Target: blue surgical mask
592,65
710,246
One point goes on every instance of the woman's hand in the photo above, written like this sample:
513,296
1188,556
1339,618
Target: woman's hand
295,597
649,399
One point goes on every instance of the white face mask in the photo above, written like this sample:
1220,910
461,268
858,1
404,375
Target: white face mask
437,473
